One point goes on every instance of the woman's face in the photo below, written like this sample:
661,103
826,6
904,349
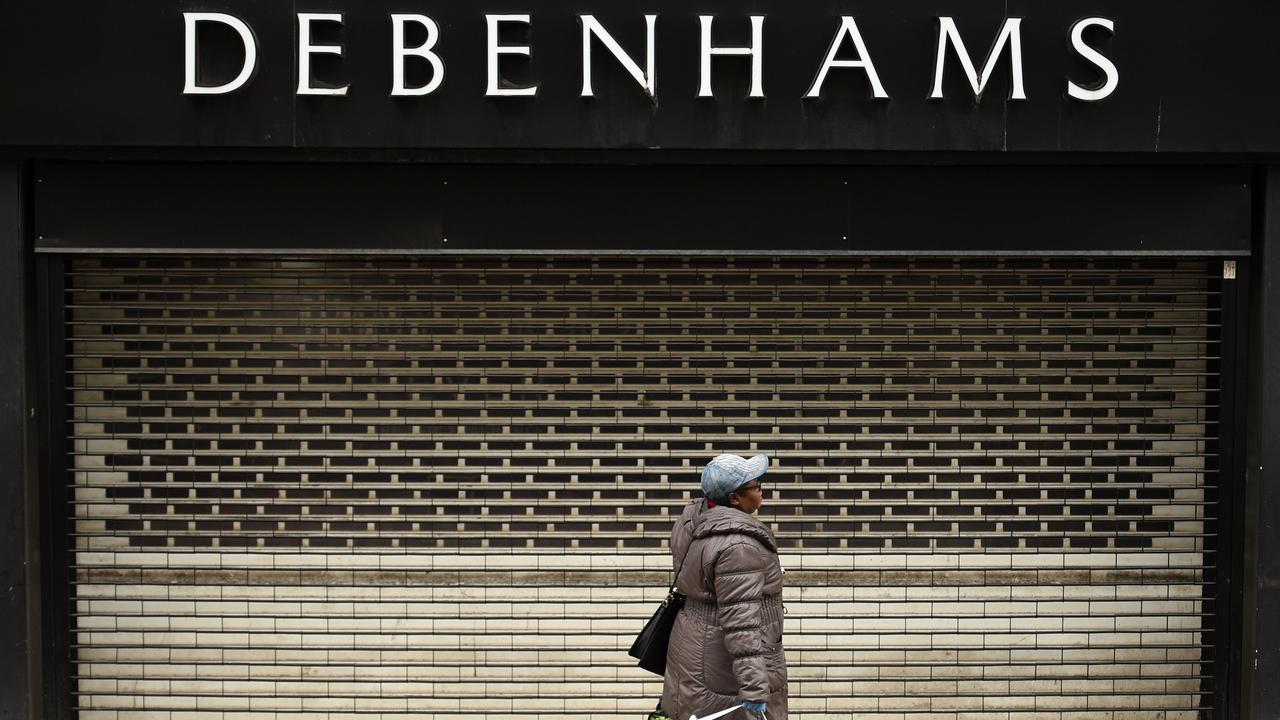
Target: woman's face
749,497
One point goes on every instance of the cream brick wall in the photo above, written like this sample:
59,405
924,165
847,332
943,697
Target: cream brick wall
506,641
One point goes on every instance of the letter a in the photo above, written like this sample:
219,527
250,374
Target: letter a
850,28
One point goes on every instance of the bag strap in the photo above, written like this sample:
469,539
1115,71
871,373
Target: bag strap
676,577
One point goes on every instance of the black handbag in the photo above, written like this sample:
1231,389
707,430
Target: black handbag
650,647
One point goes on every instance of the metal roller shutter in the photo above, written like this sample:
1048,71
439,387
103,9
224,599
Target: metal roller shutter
441,487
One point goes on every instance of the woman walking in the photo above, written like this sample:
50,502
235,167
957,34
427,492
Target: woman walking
726,645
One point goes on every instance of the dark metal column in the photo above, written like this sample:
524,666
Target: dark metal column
1263,660
14,518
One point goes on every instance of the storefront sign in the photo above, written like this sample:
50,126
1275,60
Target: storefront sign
1097,76
950,47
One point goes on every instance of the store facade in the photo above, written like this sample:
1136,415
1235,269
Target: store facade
359,355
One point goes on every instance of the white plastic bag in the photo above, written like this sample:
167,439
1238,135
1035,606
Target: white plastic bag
726,711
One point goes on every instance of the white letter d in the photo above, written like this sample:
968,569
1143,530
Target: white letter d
190,87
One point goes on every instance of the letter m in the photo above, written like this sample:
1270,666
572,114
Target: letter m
1010,34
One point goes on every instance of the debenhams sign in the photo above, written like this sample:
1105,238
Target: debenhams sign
847,53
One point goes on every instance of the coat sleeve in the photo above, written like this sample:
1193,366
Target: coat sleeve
739,585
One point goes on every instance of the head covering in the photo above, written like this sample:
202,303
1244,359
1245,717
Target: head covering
726,473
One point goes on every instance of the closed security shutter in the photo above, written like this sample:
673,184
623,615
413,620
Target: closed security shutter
442,487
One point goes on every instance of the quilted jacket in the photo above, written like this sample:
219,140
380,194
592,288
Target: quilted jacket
726,645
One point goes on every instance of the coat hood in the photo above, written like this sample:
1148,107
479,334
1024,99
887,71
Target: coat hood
699,521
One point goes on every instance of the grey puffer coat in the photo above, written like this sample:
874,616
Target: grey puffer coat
726,645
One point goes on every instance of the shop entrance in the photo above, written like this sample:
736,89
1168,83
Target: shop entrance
441,487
